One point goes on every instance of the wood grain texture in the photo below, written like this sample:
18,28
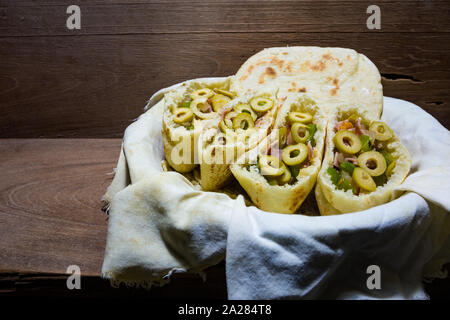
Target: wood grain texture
51,218
50,215
93,82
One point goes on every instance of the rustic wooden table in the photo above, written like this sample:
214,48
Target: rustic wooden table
66,97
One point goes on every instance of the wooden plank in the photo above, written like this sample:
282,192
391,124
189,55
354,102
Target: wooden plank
29,18
50,218
94,86
50,212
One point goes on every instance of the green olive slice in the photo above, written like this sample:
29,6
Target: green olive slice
285,177
182,115
218,101
302,117
294,154
202,109
381,130
271,166
389,169
261,104
228,119
373,162
202,93
242,107
299,132
223,127
347,142
282,137
226,93
363,179
243,121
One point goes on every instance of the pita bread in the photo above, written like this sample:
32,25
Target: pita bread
180,141
223,148
331,76
330,199
285,198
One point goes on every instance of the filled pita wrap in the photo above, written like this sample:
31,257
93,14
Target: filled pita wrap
329,75
363,162
244,122
279,174
189,110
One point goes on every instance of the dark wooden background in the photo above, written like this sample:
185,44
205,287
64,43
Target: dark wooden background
85,86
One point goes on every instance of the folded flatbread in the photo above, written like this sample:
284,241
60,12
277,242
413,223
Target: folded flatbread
330,76
244,122
190,109
294,148
363,162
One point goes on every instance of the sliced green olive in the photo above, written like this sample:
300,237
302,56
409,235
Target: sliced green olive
223,127
228,120
261,104
202,109
242,107
219,101
202,93
243,121
182,115
363,179
299,132
347,142
271,166
390,167
226,93
302,117
285,177
381,130
373,162
282,137
294,154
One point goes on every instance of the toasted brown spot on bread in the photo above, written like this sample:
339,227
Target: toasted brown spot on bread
249,71
269,72
288,67
303,89
319,66
275,61
305,65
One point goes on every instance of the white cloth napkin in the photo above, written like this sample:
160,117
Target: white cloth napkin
159,223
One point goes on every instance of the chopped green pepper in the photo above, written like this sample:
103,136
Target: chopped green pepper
345,184
347,166
387,156
380,180
365,141
186,104
294,171
334,174
312,128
